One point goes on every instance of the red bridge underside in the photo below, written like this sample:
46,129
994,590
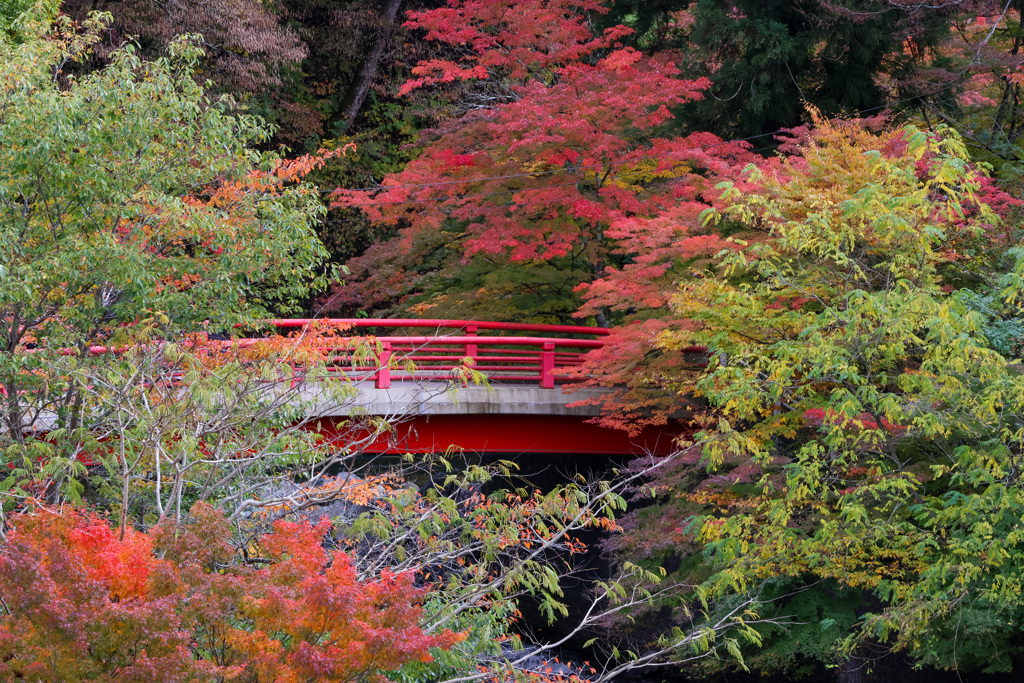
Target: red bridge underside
511,434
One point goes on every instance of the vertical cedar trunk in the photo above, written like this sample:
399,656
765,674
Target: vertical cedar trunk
12,411
361,87
851,670
12,414
597,267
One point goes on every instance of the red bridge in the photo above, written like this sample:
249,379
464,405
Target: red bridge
417,378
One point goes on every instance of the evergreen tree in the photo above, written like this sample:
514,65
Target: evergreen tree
767,58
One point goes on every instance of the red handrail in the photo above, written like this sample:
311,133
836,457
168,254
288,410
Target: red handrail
530,359
505,341
537,359
541,359
539,362
444,324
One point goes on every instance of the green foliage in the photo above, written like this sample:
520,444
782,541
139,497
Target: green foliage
815,618
384,143
137,223
1002,326
984,637
131,210
887,427
650,20
494,289
11,16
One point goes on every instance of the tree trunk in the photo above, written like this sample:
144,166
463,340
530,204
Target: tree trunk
851,670
357,93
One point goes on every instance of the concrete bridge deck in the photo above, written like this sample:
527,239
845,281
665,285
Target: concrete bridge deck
440,398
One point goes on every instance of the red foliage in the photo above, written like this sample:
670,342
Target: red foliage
567,165
517,38
818,416
83,604
630,367
568,162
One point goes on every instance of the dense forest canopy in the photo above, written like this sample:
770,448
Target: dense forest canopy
824,196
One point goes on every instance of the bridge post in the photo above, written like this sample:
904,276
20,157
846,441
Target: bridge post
471,348
547,366
383,376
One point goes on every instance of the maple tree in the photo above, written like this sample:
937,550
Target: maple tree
540,183
423,586
558,200
80,603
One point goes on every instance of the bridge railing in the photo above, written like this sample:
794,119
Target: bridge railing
545,357
542,360
468,327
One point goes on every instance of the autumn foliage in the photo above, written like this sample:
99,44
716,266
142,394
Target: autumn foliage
851,404
178,604
835,306
560,176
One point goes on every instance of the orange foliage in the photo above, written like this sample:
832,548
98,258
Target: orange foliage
82,604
